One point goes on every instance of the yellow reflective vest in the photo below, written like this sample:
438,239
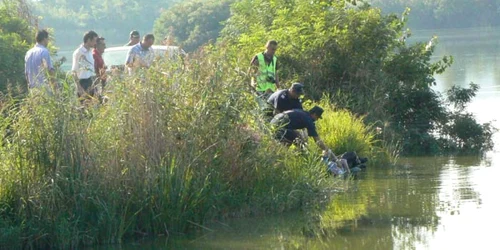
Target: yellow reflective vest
266,74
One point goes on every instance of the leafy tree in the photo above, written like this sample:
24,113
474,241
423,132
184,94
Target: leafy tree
356,55
16,36
461,131
193,23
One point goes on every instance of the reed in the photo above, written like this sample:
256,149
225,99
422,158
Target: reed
175,146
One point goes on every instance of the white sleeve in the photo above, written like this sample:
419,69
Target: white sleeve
76,61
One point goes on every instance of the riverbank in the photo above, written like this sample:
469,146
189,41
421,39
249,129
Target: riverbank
163,156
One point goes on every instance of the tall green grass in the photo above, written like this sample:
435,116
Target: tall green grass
175,146
343,132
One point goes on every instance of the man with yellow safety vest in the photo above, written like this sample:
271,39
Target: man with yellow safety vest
264,68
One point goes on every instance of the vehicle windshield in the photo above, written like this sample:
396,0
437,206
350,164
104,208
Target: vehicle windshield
115,57
118,57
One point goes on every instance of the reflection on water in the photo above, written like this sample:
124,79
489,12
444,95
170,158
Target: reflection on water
476,54
426,203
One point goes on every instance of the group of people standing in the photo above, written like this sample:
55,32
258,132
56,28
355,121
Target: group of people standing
88,67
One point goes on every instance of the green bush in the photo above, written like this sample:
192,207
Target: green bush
343,132
192,24
15,39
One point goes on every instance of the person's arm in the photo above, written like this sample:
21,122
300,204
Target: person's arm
253,72
50,67
320,143
26,71
311,131
276,78
97,65
254,65
278,107
75,68
271,100
299,104
129,61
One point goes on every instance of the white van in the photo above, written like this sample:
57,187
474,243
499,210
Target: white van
114,57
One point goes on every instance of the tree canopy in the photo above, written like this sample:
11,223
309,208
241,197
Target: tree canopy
193,23
355,54
113,19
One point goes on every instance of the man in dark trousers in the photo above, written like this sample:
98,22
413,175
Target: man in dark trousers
287,122
287,99
83,66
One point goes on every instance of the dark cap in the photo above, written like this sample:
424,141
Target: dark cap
298,88
134,33
316,110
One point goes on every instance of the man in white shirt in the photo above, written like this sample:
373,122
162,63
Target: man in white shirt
141,55
83,65
38,62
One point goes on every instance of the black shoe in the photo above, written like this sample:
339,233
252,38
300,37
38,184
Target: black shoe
363,160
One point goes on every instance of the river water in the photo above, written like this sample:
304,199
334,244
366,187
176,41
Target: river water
423,203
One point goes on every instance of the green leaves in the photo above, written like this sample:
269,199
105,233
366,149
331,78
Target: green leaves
15,39
354,53
193,23
112,19
460,97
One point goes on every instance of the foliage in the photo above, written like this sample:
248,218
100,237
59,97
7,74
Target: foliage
16,36
343,132
356,55
193,23
112,19
460,97
462,132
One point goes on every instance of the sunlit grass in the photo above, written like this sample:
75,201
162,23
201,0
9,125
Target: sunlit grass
344,132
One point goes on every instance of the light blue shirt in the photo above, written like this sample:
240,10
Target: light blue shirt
138,53
36,62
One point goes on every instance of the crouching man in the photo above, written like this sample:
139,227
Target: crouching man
288,122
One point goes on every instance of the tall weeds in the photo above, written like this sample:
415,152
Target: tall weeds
175,146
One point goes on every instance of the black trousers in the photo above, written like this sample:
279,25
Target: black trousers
86,85
282,133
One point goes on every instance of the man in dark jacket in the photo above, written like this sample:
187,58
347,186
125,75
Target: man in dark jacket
287,99
287,122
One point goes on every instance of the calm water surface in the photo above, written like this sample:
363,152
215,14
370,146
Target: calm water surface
425,203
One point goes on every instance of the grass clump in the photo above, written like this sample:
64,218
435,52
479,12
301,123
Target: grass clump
343,132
